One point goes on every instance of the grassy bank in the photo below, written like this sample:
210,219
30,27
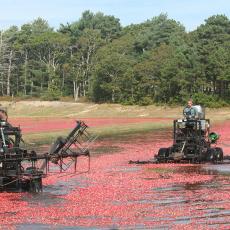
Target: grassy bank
69,109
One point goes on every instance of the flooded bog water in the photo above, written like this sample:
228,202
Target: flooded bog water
118,195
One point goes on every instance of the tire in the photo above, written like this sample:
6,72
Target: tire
215,155
211,155
162,154
219,154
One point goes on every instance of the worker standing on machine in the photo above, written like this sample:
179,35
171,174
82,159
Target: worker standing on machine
189,111
3,114
4,125
4,117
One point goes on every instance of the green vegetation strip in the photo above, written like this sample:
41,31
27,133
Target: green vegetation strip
114,132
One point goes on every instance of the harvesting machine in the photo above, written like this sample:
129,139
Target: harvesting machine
19,170
192,141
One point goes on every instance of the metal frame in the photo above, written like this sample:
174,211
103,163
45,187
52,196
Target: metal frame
191,139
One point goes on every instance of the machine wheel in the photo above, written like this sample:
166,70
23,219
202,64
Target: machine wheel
162,154
211,155
219,154
215,155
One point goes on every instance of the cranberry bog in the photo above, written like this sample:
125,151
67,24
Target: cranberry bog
118,195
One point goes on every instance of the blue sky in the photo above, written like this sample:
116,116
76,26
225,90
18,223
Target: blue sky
191,13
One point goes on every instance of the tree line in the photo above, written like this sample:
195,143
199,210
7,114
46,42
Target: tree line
156,61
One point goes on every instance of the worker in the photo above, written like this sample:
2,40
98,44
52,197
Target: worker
5,126
4,117
3,114
189,111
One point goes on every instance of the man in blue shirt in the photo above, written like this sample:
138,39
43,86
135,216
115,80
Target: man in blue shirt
189,111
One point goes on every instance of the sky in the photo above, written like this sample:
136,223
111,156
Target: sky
191,13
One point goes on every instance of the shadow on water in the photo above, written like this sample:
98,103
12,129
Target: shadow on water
219,172
206,169
159,135
51,193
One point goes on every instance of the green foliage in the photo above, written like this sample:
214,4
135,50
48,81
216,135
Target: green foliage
145,101
211,101
108,26
52,94
157,31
